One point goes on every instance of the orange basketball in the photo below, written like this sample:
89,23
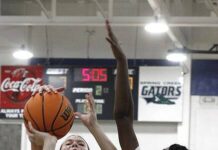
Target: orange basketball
49,112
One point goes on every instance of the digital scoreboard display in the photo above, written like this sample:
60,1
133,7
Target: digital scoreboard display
90,74
101,82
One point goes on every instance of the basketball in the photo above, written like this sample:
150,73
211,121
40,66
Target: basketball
49,112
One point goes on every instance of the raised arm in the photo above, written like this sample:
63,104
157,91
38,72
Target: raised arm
123,107
90,121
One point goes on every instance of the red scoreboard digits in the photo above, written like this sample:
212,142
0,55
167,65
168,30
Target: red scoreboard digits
91,74
94,74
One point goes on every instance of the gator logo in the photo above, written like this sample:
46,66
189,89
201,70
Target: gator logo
159,99
166,95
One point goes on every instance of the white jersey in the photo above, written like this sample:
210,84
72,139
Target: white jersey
138,148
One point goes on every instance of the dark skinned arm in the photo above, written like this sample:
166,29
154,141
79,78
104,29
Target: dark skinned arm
123,107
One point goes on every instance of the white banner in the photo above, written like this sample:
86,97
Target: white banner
160,94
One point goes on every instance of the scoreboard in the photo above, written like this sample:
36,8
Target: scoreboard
99,80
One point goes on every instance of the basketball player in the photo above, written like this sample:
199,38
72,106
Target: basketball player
44,141
123,107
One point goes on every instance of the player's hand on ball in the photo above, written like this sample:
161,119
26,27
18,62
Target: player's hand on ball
47,88
49,112
89,119
39,138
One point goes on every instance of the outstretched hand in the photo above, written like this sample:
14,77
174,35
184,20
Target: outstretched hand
89,119
47,88
115,46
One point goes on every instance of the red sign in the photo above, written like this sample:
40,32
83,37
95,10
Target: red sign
18,83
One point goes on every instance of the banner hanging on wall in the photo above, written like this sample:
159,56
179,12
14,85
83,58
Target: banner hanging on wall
160,94
17,85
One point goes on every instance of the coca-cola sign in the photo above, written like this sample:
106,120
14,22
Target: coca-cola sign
18,83
27,85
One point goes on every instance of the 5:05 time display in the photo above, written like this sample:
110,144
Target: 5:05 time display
90,74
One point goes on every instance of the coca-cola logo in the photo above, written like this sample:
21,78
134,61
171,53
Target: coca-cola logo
27,85
19,84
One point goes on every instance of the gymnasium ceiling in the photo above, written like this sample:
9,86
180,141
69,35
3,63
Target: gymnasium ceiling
75,28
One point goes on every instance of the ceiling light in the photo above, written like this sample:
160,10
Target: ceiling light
156,27
22,54
176,57
180,55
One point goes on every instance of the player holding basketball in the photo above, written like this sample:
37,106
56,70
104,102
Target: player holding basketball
44,141
123,107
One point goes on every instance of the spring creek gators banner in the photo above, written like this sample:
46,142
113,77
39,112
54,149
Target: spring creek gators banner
160,94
